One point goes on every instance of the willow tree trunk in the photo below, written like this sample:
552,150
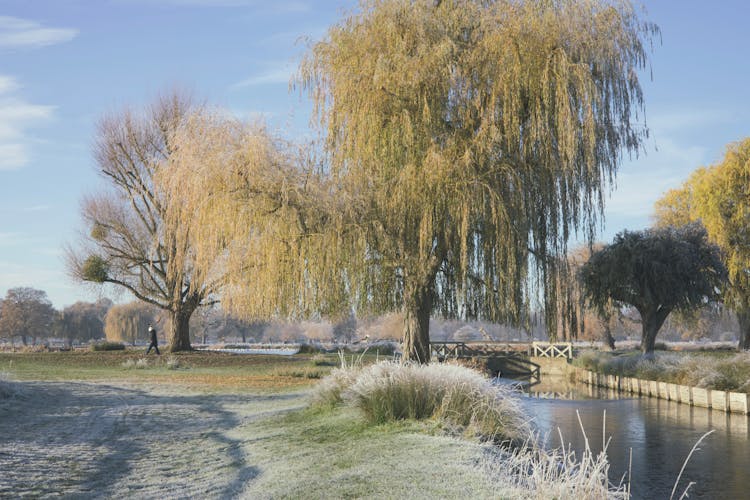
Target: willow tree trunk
743,318
651,321
178,335
608,338
417,308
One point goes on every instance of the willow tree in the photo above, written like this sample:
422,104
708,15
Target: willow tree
470,140
133,242
719,197
257,208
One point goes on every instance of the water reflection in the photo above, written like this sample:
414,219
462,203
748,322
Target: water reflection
660,434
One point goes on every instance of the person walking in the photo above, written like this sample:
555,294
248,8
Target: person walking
154,344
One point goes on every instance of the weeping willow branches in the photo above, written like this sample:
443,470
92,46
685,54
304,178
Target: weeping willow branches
479,135
258,211
464,142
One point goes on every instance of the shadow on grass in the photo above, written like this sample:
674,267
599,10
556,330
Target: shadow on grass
102,440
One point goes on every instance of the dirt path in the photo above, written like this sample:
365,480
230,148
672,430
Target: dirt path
93,440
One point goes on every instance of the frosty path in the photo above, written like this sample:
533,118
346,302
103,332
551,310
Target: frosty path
98,440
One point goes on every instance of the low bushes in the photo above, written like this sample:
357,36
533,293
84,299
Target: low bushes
108,346
724,373
457,397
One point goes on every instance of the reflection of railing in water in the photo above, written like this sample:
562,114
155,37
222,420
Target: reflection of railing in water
582,392
502,358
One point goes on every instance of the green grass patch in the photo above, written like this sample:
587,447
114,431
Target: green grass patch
198,368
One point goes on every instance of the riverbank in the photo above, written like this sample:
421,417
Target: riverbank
717,370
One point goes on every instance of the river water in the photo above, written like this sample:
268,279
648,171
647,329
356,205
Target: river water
659,433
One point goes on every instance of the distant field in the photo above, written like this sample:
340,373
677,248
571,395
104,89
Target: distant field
207,369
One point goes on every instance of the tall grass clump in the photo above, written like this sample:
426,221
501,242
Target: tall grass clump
329,391
535,472
173,363
132,364
459,397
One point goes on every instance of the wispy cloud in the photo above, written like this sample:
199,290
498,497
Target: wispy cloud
278,6
689,119
8,84
673,154
273,74
37,208
16,32
642,181
12,239
16,116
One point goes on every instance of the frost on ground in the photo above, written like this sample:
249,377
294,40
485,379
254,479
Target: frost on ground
119,440
104,440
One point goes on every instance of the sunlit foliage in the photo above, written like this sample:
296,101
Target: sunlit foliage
132,242
472,139
719,197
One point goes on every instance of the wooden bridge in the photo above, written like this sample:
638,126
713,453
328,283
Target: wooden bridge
507,359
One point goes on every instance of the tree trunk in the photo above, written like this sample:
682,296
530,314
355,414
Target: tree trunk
651,322
417,308
608,338
743,318
178,335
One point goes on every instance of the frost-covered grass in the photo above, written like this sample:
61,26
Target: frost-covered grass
238,431
9,388
721,371
541,474
457,397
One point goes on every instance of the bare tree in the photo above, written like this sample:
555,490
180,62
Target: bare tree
132,242
26,313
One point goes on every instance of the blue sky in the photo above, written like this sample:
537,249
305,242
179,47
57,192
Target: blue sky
65,63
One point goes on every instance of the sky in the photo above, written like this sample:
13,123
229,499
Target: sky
64,64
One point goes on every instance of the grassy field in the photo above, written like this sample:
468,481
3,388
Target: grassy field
209,425
209,370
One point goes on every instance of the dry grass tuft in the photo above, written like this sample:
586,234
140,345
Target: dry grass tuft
458,397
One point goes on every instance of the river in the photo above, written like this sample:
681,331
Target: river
659,433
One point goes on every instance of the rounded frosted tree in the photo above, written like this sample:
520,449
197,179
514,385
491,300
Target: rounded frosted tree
469,140
656,271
